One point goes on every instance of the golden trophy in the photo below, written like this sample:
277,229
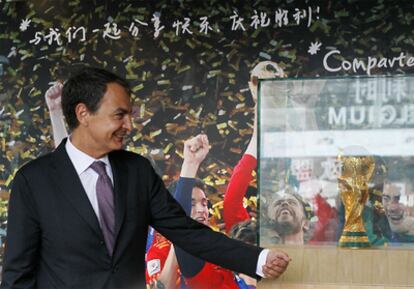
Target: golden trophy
353,181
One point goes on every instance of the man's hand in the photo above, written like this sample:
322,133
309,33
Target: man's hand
53,97
276,264
195,151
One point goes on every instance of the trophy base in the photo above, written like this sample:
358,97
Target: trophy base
354,240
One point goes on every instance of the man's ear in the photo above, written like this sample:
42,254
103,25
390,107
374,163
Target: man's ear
82,114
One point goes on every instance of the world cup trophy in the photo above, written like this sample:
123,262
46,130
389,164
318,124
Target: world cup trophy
357,171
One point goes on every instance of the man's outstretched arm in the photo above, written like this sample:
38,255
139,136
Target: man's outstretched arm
199,240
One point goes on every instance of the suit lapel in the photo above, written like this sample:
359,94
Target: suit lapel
71,186
120,174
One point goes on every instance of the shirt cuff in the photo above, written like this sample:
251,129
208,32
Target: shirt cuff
261,261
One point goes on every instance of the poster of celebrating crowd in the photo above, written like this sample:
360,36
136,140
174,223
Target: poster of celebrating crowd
194,69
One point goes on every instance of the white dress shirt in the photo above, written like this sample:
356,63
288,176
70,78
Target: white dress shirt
82,162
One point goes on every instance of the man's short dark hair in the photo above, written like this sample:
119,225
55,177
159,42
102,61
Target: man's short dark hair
88,85
198,183
307,209
245,231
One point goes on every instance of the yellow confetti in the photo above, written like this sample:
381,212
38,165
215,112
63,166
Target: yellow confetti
35,108
155,133
138,87
220,182
137,136
10,178
167,148
27,154
164,82
221,126
185,68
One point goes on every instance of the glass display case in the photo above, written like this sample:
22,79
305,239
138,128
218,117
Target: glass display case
306,128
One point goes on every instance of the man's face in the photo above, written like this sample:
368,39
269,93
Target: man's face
287,214
394,210
111,123
199,206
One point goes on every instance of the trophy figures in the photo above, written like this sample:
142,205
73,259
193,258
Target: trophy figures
356,174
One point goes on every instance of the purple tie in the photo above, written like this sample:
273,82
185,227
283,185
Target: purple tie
105,196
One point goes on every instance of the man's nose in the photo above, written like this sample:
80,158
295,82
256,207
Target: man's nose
395,201
285,203
127,123
199,208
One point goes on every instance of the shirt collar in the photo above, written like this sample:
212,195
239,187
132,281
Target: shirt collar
82,161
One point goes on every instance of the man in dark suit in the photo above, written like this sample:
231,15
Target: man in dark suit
78,217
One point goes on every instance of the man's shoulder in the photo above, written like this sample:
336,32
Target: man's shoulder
132,161
37,165
127,156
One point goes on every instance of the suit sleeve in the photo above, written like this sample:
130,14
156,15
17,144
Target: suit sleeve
168,218
233,211
23,238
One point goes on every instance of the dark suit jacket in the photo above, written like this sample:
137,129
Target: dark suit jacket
54,239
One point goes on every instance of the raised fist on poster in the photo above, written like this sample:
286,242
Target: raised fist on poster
53,96
195,151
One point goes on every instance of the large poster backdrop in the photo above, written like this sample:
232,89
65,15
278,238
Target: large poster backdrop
188,63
